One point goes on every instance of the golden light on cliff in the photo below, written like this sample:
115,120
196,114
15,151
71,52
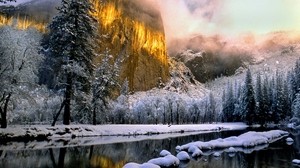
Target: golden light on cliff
105,162
25,23
106,14
5,20
22,23
150,40
143,38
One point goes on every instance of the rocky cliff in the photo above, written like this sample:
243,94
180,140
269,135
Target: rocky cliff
130,29
135,32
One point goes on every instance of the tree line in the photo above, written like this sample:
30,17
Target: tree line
267,99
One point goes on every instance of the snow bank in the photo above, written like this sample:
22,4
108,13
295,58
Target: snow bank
247,140
72,131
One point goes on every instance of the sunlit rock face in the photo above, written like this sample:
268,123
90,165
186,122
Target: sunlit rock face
134,31
130,29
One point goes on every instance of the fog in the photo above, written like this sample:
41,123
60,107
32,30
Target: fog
226,22
223,24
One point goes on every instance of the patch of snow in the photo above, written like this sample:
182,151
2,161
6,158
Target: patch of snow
289,139
196,152
136,165
183,156
296,161
231,150
246,142
164,153
217,154
166,161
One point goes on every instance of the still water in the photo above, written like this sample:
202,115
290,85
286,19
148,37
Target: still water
115,155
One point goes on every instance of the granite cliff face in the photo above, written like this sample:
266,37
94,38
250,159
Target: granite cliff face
135,32
127,28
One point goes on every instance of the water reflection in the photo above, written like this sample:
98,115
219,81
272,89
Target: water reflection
278,154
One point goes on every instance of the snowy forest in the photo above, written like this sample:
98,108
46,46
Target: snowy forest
53,77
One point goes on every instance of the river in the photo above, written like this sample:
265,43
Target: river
278,154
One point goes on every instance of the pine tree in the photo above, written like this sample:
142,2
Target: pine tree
71,45
248,100
279,102
228,104
105,81
260,113
266,102
211,108
296,107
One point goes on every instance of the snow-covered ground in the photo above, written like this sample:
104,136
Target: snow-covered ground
230,145
101,134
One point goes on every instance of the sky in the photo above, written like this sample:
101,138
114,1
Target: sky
229,17
184,18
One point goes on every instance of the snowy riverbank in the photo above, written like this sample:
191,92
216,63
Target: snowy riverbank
62,131
101,134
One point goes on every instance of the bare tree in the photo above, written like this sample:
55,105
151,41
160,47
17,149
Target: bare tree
18,66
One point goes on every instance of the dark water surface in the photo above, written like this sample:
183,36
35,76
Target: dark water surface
276,155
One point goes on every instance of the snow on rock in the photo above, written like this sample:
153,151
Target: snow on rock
136,165
289,139
183,156
217,154
296,161
231,150
196,152
164,153
178,148
167,161
247,140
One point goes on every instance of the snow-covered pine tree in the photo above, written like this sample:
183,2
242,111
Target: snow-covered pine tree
237,94
248,100
280,99
106,79
228,104
296,107
260,113
266,102
72,46
212,116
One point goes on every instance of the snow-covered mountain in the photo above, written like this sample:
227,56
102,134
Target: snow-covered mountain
281,60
